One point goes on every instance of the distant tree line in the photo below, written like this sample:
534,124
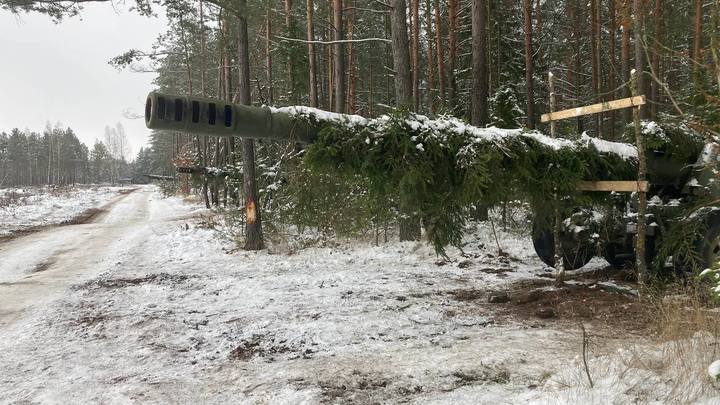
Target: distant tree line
57,157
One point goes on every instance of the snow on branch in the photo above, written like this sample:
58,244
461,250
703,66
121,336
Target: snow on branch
344,41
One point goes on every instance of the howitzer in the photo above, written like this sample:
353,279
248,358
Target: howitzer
678,179
212,117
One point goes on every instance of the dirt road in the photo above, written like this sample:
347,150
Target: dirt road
37,268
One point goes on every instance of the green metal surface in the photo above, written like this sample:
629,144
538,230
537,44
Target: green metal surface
213,117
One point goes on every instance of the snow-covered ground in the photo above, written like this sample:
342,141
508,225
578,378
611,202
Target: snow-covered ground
23,208
148,307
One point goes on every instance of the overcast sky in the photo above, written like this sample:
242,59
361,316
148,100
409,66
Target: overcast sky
59,72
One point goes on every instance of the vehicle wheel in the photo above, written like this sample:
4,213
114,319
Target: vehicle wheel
576,253
619,262
710,246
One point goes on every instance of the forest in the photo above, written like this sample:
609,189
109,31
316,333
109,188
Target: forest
58,157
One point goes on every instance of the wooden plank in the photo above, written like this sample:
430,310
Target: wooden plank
619,186
594,109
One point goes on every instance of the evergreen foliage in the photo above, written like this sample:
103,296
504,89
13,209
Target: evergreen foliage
438,168
505,111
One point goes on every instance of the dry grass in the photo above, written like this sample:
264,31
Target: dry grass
24,196
14,197
667,366
688,333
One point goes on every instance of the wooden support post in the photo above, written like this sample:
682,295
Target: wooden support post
642,195
551,81
559,262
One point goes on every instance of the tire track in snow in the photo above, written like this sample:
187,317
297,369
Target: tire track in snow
38,267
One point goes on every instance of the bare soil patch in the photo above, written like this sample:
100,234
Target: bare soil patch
8,283
86,217
587,303
45,265
600,298
268,347
359,387
468,295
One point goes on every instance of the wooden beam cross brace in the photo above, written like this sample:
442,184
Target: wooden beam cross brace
594,109
618,186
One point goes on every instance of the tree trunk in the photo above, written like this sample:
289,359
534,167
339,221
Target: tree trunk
613,58
401,55
339,57
640,264
371,91
416,53
638,30
409,223
538,19
226,69
479,100
351,61
430,53
625,57
494,47
268,55
253,228
202,151
529,66
655,93
202,49
311,53
452,58
595,59
330,73
440,53
695,53
294,94
578,62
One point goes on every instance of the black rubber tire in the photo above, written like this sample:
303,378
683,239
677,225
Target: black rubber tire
710,246
574,256
615,262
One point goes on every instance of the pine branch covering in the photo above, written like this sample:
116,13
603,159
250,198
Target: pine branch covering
437,168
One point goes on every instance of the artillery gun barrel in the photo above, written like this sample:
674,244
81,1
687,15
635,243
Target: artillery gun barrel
214,117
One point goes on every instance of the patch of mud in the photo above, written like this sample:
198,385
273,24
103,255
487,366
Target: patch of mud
44,265
11,283
479,376
499,271
89,321
122,282
21,232
86,217
359,387
467,295
579,302
267,348
364,387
